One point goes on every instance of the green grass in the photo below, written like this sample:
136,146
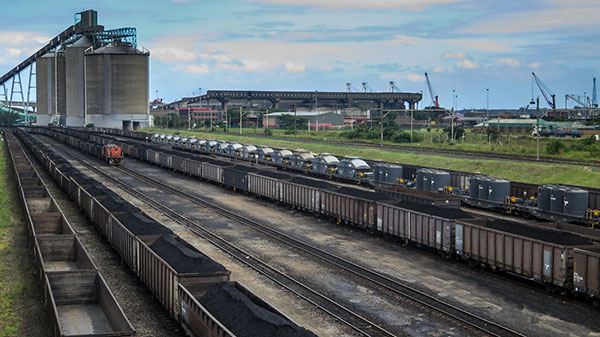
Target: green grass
534,173
436,138
11,287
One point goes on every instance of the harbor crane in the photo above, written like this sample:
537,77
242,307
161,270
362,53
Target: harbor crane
585,103
594,95
546,92
434,98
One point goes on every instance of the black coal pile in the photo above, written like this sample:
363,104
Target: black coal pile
544,234
117,204
97,189
245,318
447,213
139,224
356,192
275,174
245,168
183,257
314,183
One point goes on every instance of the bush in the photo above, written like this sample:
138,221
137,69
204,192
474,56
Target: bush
555,146
401,137
268,132
493,134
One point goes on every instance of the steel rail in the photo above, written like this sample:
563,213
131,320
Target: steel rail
360,324
396,286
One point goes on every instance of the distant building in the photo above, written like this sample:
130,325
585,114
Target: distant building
515,126
526,126
316,119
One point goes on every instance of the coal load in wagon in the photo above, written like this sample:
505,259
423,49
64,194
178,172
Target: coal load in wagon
314,183
355,192
543,234
139,224
117,204
82,179
447,213
183,257
97,189
245,318
245,168
274,174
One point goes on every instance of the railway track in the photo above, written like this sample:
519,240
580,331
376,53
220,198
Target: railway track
397,287
323,302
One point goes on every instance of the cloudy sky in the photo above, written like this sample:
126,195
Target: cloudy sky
464,45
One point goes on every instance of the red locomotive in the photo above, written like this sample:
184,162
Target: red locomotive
112,154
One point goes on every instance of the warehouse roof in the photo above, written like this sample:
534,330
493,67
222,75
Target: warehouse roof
303,113
511,122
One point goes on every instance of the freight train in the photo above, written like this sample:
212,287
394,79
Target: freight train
151,250
548,202
539,254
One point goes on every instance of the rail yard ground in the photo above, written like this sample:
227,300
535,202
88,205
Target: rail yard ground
534,173
494,296
21,309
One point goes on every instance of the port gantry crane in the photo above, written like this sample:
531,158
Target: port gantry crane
434,98
546,92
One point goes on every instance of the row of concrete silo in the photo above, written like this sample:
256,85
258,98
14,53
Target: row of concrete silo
90,83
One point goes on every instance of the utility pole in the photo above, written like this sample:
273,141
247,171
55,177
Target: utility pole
537,131
267,125
295,118
487,94
189,119
240,121
411,125
452,126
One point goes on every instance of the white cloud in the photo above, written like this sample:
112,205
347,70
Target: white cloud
439,69
373,4
22,38
292,67
538,21
467,64
534,65
247,65
489,45
197,69
457,55
326,68
415,77
222,58
13,52
173,54
404,40
509,62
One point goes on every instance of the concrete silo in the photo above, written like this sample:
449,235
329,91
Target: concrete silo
51,88
75,81
116,87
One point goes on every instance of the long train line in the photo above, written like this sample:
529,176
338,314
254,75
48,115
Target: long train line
323,302
448,152
399,288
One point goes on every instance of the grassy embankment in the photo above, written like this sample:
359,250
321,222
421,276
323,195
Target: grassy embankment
535,173
436,138
11,286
